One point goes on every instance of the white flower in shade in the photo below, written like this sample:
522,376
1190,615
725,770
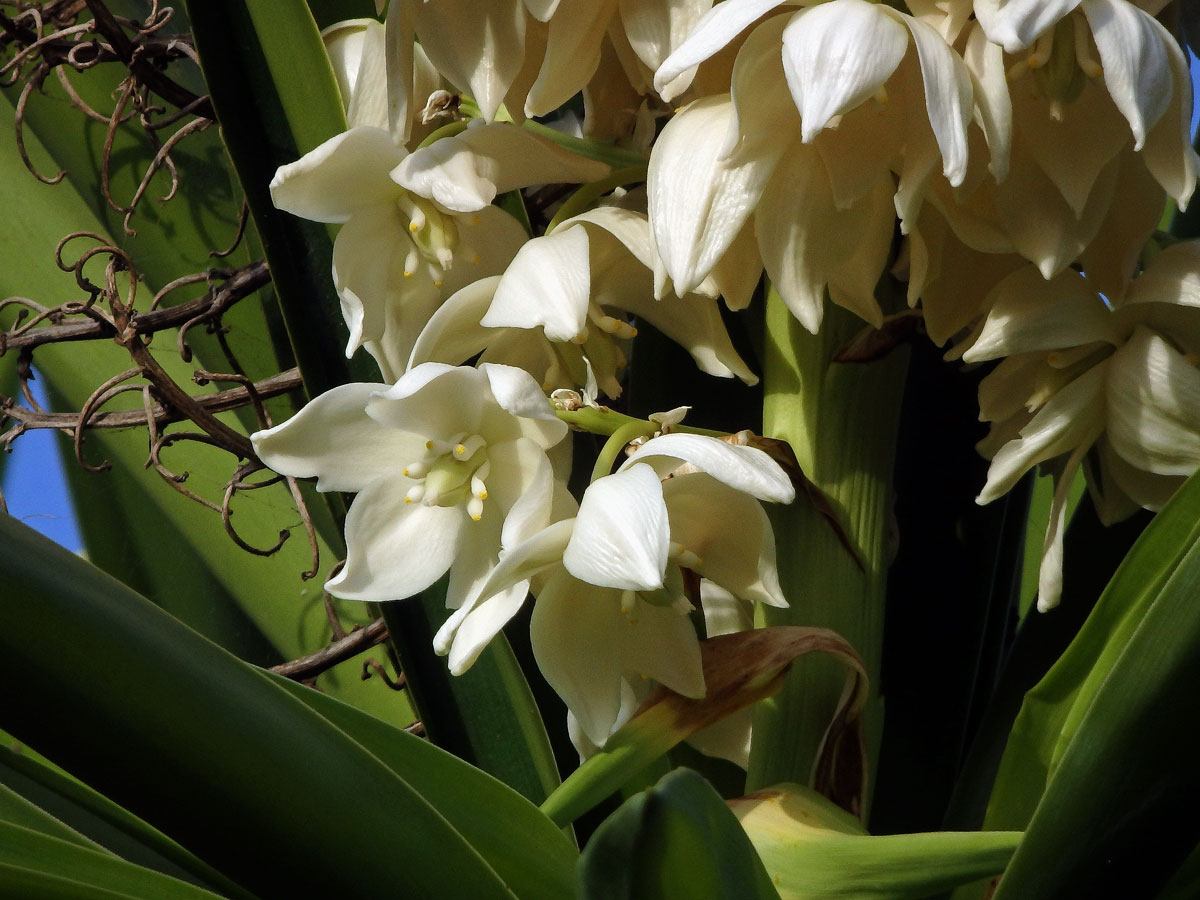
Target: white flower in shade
1115,390
797,167
565,298
408,218
611,603
1085,107
448,464
534,55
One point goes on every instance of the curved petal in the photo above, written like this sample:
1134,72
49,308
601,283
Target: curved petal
395,549
836,55
1134,58
1168,152
572,53
433,400
1028,313
575,636
717,28
655,30
697,202
521,398
948,95
471,628
1015,24
465,172
477,44
341,176
622,536
1072,418
454,333
742,468
548,284
993,104
1154,406
525,494
730,533
333,439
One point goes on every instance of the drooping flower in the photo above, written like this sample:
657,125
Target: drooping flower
611,600
408,218
448,464
562,301
828,105
1115,390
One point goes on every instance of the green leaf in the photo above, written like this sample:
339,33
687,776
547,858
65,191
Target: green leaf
269,591
275,95
97,821
676,840
1111,732
525,848
206,748
34,865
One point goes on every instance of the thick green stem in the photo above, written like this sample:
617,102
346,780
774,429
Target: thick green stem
841,420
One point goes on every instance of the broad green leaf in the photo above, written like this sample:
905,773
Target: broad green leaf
1115,723
100,822
206,748
1053,709
525,848
36,865
676,841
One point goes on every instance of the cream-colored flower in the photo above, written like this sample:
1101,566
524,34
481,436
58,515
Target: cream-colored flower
564,299
829,105
1082,383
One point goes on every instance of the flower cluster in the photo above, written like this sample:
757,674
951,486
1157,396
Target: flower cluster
1007,161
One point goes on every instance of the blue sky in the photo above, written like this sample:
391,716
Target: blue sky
35,486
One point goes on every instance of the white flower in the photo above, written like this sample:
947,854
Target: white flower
407,219
611,602
1117,390
559,303
448,464
828,104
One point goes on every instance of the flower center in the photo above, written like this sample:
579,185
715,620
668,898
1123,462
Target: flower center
451,473
434,235
1061,61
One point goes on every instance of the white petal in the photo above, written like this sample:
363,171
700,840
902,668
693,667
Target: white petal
334,439
399,58
948,96
1133,54
547,285
465,172
574,636
743,468
1154,406
454,333
1072,418
697,202
1168,152
395,549
655,30
1015,24
522,399
993,105
1050,569
729,531
356,52
477,44
433,400
572,53
621,536
346,173
836,55
1029,313
470,629
716,29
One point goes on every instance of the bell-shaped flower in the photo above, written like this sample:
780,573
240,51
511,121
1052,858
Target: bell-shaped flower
611,602
534,55
1087,109
565,299
408,218
1116,390
448,465
828,105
